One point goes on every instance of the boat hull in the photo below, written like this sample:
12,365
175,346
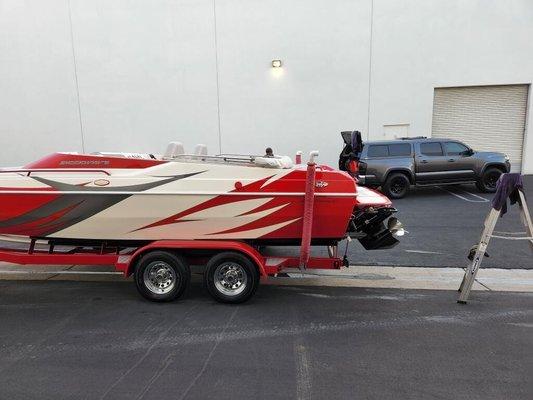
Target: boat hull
174,200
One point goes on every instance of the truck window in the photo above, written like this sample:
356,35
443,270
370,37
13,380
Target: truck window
431,149
454,148
402,149
378,150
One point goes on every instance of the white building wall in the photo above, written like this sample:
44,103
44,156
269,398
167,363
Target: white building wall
322,88
38,102
148,72
442,44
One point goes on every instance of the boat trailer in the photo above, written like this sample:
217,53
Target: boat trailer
161,268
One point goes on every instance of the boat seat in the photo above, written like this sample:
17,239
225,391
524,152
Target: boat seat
174,149
200,150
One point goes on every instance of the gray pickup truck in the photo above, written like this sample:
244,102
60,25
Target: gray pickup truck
397,164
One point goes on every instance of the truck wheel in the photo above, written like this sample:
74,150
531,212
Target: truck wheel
396,186
489,179
162,276
231,277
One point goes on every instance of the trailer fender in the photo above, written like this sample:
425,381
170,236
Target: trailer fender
126,263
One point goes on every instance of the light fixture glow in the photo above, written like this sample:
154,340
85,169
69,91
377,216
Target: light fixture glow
276,63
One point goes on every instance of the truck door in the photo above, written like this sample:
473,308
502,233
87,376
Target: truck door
460,161
431,162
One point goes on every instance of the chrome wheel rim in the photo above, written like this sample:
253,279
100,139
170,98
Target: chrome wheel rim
159,277
230,279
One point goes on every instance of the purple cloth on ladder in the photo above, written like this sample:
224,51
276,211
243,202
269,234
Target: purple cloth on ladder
507,187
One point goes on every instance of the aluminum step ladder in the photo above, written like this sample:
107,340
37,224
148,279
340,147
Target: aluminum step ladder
480,250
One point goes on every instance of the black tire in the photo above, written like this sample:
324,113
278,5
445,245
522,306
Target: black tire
162,276
396,186
231,277
487,182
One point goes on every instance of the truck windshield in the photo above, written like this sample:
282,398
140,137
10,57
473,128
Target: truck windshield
454,148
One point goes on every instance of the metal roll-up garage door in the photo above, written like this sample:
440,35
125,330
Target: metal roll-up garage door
487,118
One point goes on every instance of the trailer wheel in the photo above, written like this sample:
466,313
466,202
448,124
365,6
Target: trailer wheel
162,276
231,277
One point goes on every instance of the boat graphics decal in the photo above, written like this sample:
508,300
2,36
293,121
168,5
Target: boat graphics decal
69,209
266,215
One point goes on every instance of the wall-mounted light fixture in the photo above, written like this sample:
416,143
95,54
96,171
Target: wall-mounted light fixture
276,63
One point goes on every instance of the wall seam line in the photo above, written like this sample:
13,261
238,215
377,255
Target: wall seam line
370,69
217,77
76,76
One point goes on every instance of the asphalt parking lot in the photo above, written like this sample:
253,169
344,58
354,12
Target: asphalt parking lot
443,224
87,340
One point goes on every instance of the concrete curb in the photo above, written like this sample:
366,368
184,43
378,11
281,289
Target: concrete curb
516,280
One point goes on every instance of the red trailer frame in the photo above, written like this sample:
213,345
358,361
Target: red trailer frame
124,260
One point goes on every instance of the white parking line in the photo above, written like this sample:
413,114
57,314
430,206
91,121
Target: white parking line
475,195
303,374
482,199
422,252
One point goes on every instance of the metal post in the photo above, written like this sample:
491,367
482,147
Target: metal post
333,251
298,159
32,246
308,210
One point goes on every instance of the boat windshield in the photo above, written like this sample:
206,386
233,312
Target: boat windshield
279,162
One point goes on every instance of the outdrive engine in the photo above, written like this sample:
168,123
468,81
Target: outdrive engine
369,227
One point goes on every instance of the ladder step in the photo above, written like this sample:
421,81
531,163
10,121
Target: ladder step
512,238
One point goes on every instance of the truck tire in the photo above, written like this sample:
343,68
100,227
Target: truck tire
489,178
396,186
162,276
231,277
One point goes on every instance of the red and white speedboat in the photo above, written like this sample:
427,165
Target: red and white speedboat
140,197
154,217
